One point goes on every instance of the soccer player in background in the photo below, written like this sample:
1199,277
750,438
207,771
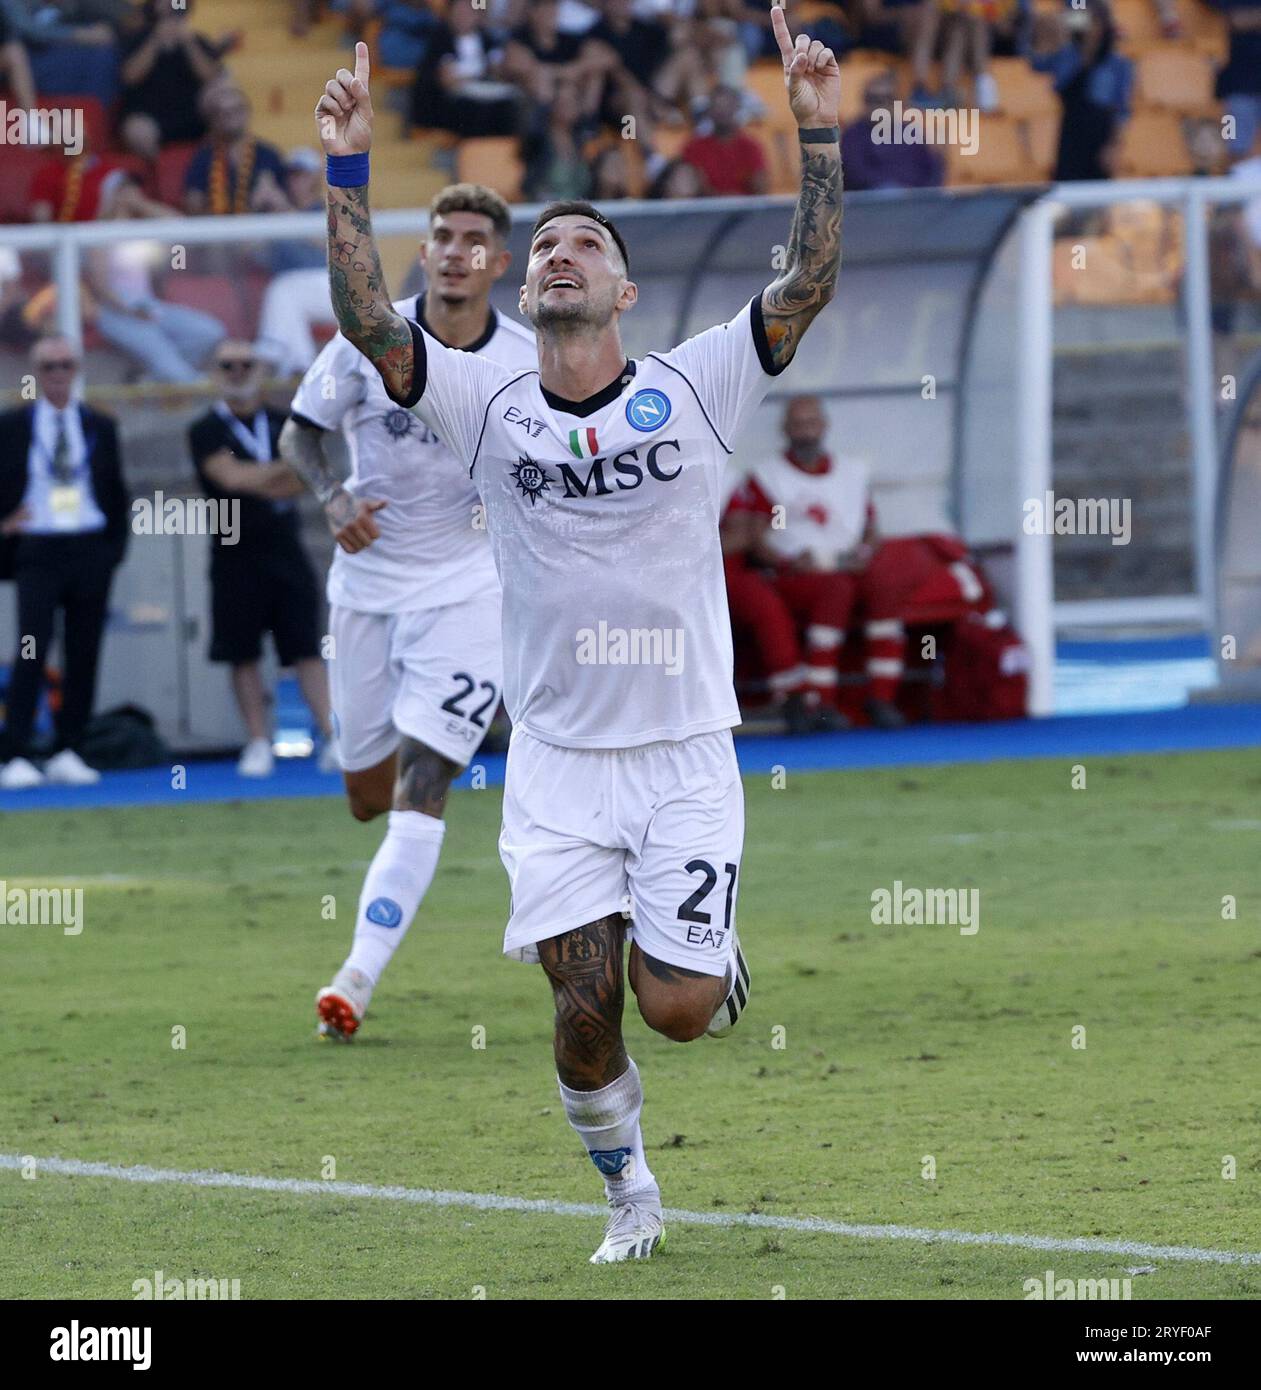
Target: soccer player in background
416,669
601,479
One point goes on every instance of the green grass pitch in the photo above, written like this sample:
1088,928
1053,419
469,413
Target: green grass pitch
866,1049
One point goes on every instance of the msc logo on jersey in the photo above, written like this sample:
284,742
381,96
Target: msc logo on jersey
398,423
647,410
531,477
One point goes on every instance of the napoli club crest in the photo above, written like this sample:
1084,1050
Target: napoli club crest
531,477
647,410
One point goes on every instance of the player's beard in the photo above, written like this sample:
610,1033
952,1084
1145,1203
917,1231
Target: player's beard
580,316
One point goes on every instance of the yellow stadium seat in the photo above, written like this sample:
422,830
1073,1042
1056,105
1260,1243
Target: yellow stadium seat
766,81
1153,146
1177,79
1042,141
1023,92
491,160
1000,155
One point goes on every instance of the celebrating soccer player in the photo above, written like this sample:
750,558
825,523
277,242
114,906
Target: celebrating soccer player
601,479
413,596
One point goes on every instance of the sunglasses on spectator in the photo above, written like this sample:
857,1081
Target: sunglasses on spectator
236,364
60,364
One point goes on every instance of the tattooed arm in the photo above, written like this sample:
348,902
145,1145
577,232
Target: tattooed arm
305,448
356,281
814,243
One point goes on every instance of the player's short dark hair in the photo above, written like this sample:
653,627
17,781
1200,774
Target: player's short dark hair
579,207
473,197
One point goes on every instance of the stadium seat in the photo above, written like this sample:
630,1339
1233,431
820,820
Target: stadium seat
213,294
173,162
765,80
96,122
668,140
857,69
494,161
1042,141
1000,155
1023,92
20,164
1177,79
1152,146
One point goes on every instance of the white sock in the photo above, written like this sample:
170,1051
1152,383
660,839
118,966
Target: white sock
607,1122
397,879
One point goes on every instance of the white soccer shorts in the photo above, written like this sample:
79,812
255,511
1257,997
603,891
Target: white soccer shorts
434,674
655,831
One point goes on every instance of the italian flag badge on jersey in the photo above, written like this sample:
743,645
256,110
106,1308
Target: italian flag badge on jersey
583,444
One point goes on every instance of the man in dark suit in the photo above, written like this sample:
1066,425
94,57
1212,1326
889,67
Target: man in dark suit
63,532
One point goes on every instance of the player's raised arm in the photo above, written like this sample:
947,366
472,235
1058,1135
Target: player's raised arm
813,78
357,284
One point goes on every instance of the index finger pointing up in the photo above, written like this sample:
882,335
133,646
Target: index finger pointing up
782,37
361,63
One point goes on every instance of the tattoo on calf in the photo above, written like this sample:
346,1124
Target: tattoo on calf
424,778
585,970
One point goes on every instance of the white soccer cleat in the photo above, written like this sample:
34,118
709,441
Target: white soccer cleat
20,776
732,1006
340,1007
634,1231
68,769
257,759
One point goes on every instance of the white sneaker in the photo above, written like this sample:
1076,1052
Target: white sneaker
340,1007
330,756
68,769
20,776
257,759
985,92
634,1231
733,1005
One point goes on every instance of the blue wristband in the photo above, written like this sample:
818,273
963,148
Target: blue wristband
346,170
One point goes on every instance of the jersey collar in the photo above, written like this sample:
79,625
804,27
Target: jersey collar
488,333
592,403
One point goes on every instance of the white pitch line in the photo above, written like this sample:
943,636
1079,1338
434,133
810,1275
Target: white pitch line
492,1201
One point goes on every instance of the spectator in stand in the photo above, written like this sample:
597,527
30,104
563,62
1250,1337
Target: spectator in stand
1239,82
166,342
678,179
887,25
408,28
166,65
555,165
1094,82
63,533
966,28
611,172
457,87
871,163
729,160
75,188
297,297
233,171
539,56
649,69
15,65
72,44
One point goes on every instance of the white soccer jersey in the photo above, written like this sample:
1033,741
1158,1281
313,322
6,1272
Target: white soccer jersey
433,551
603,516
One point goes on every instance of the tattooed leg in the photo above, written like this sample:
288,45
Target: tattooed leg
675,1002
585,970
424,779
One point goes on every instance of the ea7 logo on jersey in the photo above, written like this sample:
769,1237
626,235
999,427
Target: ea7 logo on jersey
647,410
531,477
527,422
